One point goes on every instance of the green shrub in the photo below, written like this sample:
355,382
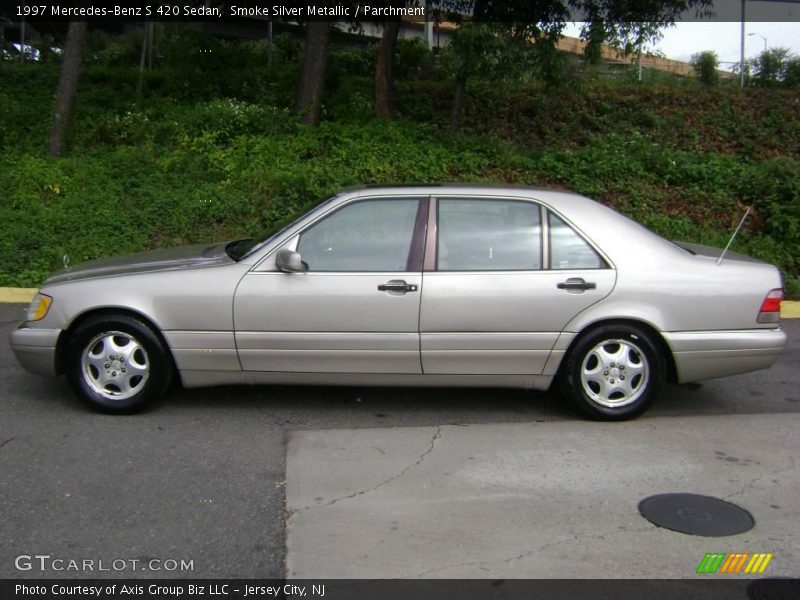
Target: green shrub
775,67
705,65
413,58
209,155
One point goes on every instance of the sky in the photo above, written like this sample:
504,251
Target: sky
686,38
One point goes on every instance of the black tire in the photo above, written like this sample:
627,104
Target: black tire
117,364
612,393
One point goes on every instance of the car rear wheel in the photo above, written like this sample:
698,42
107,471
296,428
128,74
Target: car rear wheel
613,372
117,364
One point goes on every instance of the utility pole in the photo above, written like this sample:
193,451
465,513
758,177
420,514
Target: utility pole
741,60
762,37
269,43
428,25
22,34
641,40
150,30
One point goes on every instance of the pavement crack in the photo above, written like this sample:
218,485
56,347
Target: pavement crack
437,434
575,537
485,565
470,563
416,463
6,441
752,483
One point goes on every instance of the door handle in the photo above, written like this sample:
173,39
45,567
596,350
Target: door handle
576,284
397,285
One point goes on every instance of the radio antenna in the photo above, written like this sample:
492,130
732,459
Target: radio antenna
730,241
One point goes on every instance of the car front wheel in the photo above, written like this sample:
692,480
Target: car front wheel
613,372
117,364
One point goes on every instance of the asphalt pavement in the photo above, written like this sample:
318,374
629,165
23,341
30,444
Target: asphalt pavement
202,477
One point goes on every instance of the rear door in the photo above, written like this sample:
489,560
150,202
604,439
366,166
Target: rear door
356,308
495,294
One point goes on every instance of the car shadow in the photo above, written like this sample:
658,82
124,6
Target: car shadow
357,407
323,407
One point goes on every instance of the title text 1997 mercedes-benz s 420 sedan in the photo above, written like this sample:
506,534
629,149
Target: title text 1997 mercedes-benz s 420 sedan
423,285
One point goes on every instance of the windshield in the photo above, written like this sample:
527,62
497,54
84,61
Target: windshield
239,249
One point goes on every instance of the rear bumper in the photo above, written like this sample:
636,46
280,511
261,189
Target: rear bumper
35,349
703,355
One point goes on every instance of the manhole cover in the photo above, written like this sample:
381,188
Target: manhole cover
774,589
696,515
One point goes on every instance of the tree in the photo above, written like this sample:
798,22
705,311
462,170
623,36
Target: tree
384,69
146,56
705,65
480,48
792,73
67,85
312,78
769,67
624,24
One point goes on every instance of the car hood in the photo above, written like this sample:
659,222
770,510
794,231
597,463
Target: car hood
166,259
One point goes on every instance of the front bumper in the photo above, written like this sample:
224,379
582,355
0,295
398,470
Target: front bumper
703,355
35,348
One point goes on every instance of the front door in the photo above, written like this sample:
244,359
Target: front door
356,308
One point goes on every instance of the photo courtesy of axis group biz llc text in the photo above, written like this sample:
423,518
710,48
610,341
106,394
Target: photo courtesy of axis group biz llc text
170,590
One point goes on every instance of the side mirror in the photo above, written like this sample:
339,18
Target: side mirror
289,261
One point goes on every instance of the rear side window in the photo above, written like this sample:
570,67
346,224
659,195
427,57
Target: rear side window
568,250
489,235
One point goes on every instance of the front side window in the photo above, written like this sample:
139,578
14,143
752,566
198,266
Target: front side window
489,235
568,250
367,235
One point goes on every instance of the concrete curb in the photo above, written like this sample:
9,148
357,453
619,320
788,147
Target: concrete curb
790,309
21,295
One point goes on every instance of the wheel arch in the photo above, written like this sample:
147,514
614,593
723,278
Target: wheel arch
669,359
63,338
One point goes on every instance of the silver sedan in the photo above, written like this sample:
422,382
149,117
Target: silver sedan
451,285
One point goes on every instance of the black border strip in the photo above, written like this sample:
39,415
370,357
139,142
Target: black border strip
351,11
706,588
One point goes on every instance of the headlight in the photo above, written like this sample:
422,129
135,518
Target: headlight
39,307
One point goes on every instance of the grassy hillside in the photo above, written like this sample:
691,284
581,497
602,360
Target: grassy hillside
213,153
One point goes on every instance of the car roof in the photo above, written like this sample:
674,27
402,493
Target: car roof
433,188
552,196
561,200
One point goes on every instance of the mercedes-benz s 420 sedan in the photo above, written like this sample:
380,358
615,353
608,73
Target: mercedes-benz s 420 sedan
426,285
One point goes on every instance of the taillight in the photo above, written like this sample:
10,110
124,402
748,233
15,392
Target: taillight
770,311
